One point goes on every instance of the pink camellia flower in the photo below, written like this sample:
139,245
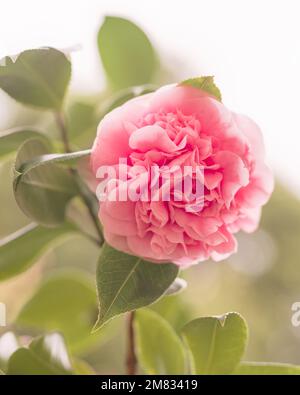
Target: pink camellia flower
184,126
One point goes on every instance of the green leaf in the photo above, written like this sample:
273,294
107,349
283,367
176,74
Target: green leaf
66,302
30,242
126,282
11,139
82,121
216,344
42,188
38,77
81,367
266,368
69,159
127,55
45,355
159,348
174,309
127,94
206,84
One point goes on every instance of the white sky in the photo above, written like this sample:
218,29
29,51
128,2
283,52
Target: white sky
251,46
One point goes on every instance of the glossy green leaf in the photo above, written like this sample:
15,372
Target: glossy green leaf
66,302
30,243
266,368
46,355
159,349
38,77
216,344
126,282
127,55
11,139
206,84
42,188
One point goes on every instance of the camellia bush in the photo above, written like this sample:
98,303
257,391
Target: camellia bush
121,187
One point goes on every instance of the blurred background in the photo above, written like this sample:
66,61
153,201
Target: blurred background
251,48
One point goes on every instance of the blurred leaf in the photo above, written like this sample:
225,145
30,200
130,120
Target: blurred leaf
38,77
45,355
21,249
126,94
66,302
216,344
178,285
8,345
11,139
81,367
82,122
173,309
264,368
42,189
127,55
159,348
206,84
126,282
